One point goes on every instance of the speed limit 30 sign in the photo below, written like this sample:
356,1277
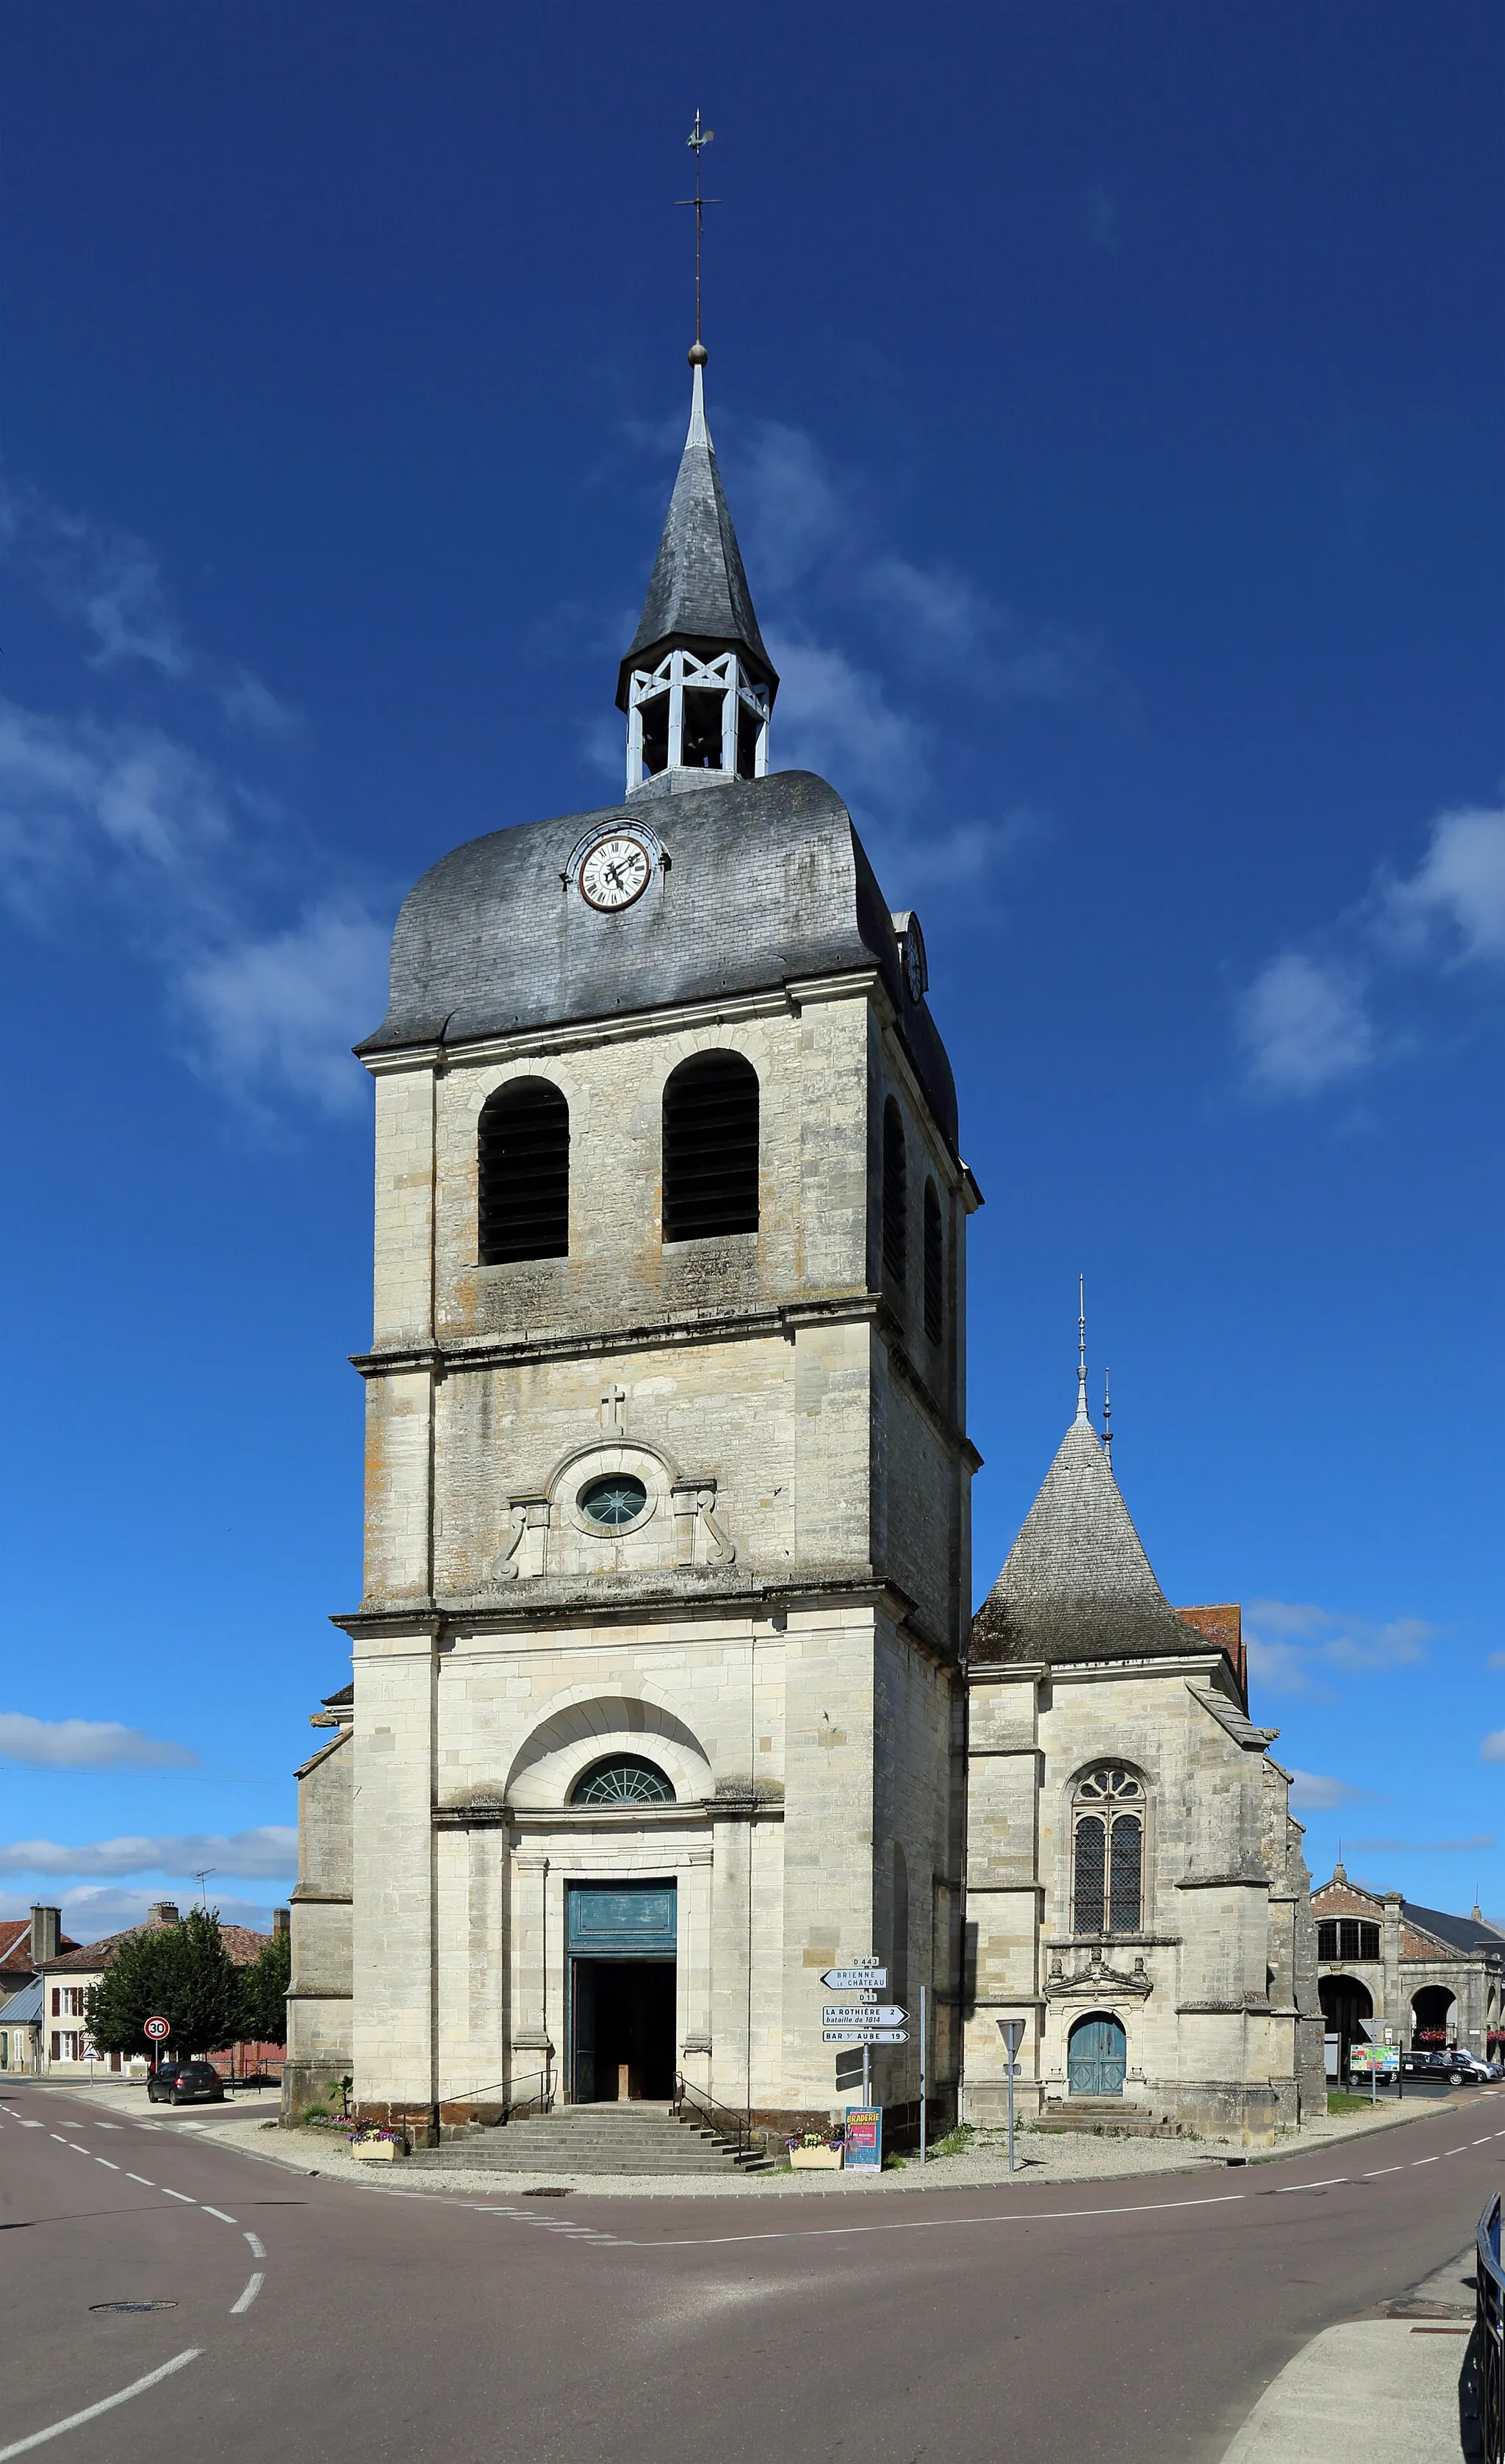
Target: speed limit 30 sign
156,2029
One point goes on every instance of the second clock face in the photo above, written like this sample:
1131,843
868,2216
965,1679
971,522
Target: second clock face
616,872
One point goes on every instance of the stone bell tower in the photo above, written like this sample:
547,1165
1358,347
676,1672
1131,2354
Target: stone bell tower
656,1673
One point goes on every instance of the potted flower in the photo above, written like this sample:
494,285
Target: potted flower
378,2144
817,2151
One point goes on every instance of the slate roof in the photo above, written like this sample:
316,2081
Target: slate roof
1464,1933
23,2007
242,1944
698,595
1076,1584
765,880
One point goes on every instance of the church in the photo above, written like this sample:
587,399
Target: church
667,1697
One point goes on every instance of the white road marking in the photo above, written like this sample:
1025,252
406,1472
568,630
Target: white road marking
1455,2151
1485,2140
248,2297
220,2212
1330,2183
935,2224
142,2179
257,2248
41,2125
57,2135
1422,2160
110,2126
106,2162
77,2149
1384,2169
179,2194
91,2412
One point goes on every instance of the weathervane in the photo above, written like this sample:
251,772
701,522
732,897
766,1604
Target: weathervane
697,139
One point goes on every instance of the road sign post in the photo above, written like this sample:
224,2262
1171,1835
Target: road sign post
1012,2031
922,2041
155,2031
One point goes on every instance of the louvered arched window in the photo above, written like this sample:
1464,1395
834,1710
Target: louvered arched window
711,1148
1108,1852
934,1267
524,1174
895,1196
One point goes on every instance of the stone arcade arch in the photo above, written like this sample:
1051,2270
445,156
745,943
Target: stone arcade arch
1434,2017
1347,2010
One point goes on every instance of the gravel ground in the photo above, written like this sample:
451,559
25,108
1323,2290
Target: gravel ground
1040,2156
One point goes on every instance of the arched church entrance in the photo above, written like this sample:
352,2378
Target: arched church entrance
1434,2020
1096,2054
1347,2009
621,1943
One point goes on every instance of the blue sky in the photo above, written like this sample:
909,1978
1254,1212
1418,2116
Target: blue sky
1109,406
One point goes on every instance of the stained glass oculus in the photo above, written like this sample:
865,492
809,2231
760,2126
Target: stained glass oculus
615,1499
623,1780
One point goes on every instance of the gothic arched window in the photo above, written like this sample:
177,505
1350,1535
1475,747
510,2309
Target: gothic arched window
524,1174
622,1779
1108,1852
711,1148
895,1196
934,1267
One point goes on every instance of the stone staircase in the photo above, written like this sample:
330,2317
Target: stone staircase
1101,2114
602,2139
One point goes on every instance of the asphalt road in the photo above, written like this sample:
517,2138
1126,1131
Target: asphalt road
1137,2320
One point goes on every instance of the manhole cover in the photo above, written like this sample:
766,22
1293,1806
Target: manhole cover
133,2305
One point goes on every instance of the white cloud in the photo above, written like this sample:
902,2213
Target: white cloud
1312,1794
84,1745
92,1912
945,622
285,1010
835,715
1295,1648
793,514
270,1851
1456,899
1493,1747
1306,1024
1304,1028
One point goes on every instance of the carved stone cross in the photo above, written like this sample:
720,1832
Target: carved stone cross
613,1411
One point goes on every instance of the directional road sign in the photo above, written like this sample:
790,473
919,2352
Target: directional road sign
864,2036
855,1980
847,2014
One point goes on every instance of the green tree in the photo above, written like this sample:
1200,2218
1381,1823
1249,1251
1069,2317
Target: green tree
181,1973
264,1993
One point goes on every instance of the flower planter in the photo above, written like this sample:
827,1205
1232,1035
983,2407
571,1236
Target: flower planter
815,2160
375,2151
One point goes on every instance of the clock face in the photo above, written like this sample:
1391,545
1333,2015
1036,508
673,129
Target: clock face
915,970
616,872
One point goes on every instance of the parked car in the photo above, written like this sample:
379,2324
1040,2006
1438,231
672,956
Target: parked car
186,2083
1458,2068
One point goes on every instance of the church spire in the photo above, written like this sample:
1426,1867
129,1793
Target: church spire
1084,1419
696,683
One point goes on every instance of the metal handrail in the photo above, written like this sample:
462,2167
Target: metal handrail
722,2119
516,2107
1489,2358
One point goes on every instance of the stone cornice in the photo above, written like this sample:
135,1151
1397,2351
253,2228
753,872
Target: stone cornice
709,1590
700,1815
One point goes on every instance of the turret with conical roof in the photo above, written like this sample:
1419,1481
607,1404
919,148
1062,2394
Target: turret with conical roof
1076,1584
697,684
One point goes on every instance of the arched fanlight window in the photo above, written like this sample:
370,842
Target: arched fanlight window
1108,1852
934,1267
711,1148
522,1172
895,1196
623,1779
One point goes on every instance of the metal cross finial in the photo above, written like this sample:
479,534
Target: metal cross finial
1082,1413
697,139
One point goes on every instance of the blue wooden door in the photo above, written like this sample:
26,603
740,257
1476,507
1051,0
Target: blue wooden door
1099,2052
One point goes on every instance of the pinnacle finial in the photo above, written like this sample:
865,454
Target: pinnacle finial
1107,1419
1083,1416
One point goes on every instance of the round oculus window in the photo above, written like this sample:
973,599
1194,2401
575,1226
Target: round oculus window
612,1501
